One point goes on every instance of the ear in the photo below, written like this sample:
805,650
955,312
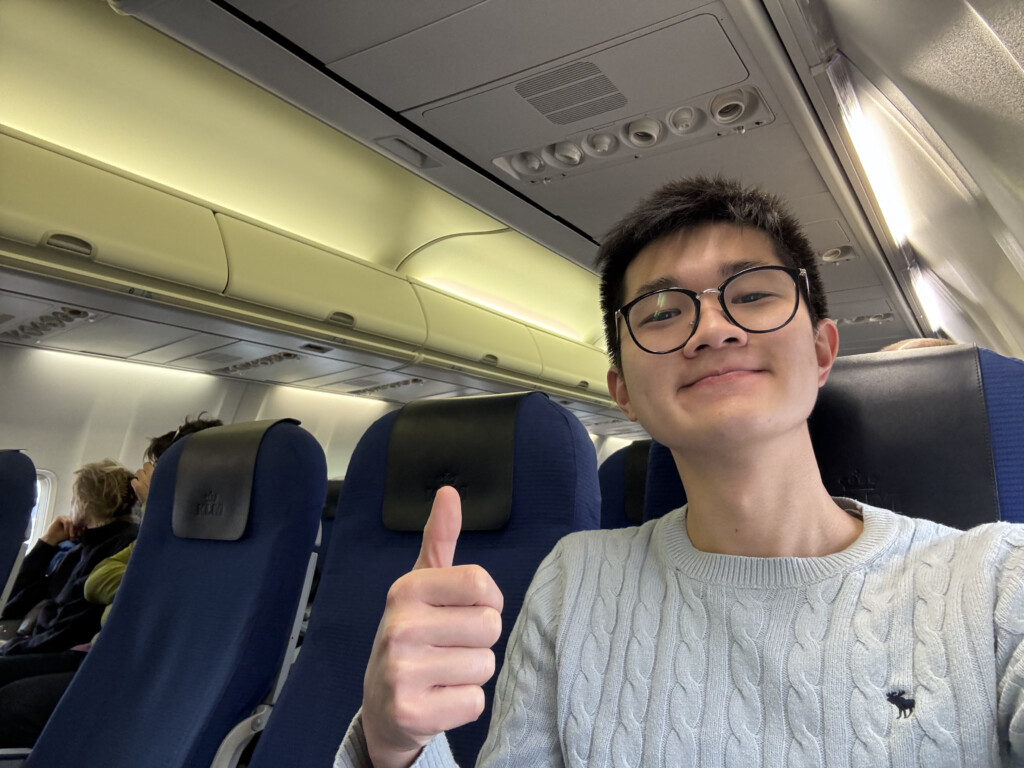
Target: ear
826,348
617,389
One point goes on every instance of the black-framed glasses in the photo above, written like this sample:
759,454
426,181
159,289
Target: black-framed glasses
758,300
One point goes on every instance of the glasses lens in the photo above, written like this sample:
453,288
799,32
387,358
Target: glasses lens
662,321
761,299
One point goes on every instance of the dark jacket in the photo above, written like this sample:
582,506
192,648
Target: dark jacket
66,619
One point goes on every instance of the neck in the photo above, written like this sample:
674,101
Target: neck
763,501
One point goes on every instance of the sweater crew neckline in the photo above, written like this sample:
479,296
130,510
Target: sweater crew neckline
677,550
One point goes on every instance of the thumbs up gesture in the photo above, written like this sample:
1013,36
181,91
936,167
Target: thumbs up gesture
432,652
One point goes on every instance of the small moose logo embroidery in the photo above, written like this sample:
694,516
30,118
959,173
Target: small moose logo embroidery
899,700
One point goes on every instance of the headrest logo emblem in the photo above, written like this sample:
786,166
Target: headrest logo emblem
210,506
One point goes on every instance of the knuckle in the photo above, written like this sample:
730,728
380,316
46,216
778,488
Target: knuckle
476,702
476,579
492,625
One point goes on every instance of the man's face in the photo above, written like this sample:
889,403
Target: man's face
725,385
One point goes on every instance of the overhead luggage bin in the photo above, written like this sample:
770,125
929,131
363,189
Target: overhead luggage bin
477,335
51,200
570,363
276,271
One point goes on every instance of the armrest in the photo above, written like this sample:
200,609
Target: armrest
237,740
12,758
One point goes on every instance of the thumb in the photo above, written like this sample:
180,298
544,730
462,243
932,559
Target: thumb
441,531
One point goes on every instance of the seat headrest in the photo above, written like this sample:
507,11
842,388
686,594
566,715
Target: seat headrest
213,487
635,471
465,442
331,499
909,431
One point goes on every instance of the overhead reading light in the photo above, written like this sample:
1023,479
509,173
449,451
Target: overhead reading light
729,113
567,153
838,255
686,119
527,163
601,144
644,132
727,108
44,325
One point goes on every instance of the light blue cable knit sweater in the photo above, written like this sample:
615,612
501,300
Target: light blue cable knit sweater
635,649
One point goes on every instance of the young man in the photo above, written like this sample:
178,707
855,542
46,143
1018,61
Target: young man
765,623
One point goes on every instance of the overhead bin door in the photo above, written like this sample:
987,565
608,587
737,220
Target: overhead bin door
571,363
49,199
276,271
472,333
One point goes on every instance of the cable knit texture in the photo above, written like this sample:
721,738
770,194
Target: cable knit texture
635,649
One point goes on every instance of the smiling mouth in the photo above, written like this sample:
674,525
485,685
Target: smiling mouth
721,377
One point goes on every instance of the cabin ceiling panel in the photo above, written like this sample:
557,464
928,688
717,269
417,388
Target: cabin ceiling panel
193,345
522,34
772,158
660,70
332,30
115,336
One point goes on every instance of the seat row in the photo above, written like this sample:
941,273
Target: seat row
194,659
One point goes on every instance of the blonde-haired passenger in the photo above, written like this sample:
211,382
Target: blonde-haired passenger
100,524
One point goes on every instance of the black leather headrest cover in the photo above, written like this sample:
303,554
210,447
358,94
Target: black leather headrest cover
908,431
635,481
465,442
213,488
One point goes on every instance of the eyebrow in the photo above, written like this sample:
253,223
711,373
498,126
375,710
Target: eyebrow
725,271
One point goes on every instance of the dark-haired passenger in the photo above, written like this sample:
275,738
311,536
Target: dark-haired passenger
765,623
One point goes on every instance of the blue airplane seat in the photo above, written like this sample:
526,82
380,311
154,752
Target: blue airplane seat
203,617
327,518
17,499
527,472
622,476
933,433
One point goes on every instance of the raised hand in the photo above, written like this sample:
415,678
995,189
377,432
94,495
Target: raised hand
141,482
61,529
432,652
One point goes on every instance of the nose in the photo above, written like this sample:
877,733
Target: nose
714,328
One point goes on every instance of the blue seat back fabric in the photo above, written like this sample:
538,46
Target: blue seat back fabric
555,492
17,499
623,477
1003,380
931,433
199,627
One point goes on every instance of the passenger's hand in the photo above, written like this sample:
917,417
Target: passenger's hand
141,482
432,652
61,529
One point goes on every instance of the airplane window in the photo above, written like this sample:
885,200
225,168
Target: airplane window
46,481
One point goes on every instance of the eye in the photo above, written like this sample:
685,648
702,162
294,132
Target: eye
750,297
659,316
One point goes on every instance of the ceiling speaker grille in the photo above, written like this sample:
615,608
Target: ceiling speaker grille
556,78
571,93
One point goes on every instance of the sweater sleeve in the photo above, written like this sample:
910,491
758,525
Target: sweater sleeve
102,584
353,753
1009,629
524,722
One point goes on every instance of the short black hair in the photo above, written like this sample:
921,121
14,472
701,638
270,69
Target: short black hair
158,445
688,204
